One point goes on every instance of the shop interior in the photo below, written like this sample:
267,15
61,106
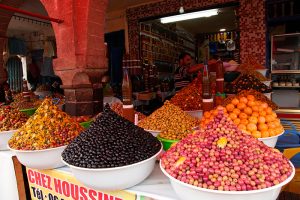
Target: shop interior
213,36
204,38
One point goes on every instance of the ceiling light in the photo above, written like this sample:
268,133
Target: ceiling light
186,16
222,29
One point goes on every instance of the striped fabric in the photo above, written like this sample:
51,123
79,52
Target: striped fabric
181,78
15,73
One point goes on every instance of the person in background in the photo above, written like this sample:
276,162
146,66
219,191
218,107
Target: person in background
2,94
33,74
185,70
3,88
8,93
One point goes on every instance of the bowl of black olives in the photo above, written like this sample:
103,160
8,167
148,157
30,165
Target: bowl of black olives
115,178
112,154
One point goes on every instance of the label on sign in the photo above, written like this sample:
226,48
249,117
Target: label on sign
59,185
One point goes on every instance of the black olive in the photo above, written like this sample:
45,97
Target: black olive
111,141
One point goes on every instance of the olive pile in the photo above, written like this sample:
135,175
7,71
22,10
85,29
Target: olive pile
111,141
11,119
246,82
49,127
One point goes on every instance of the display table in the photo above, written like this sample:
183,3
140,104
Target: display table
8,181
60,184
156,186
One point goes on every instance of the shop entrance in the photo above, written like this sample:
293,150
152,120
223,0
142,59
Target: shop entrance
29,50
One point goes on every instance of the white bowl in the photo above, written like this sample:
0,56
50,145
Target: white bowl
40,159
189,192
230,95
43,94
116,178
268,95
262,71
270,141
4,137
267,83
231,67
153,132
195,113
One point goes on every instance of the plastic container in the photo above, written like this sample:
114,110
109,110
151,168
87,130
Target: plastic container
40,159
270,141
86,124
128,112
220,85
153,132
207,104
116,178
29,112
195,113
219,70
166,143
189,192
4,137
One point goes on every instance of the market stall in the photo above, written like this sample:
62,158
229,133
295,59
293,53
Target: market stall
196,116
128,153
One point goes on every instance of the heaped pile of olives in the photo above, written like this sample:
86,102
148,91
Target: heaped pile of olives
111,141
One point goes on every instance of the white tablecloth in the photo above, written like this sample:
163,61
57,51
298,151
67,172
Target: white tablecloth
8,182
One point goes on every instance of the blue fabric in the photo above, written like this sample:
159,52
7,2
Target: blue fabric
15,74
16,46
47,67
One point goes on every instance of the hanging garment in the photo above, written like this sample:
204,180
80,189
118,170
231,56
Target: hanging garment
5,52
48,49
15,73
16,46
47,67
212,47
36,41
230,45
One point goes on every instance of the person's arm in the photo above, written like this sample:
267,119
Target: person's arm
195,68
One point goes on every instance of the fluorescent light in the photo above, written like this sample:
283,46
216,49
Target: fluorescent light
186,16
222,29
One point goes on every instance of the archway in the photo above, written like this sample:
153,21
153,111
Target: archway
33,41
80,45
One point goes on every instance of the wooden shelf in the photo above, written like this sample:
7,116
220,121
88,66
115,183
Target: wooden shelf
157,42
285,86
285,72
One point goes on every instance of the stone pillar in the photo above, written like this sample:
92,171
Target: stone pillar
81,61
79,99
80,50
